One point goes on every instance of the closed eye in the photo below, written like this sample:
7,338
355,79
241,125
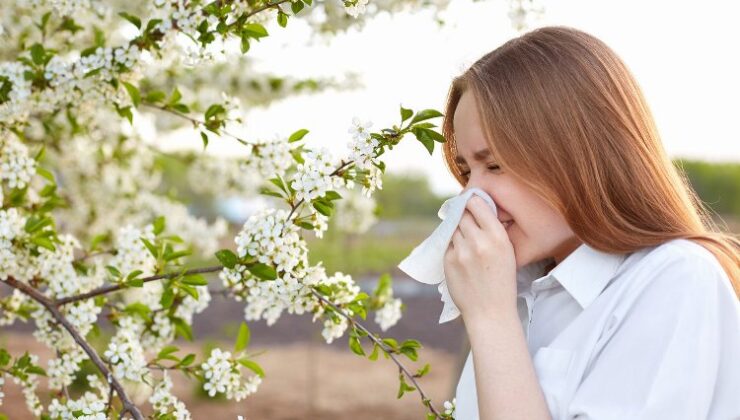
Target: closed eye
489,167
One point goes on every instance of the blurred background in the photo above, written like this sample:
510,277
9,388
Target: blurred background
684,55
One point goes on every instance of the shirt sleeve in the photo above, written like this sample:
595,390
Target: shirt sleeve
672,353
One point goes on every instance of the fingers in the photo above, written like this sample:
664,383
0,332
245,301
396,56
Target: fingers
481,211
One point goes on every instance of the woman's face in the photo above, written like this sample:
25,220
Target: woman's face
538,231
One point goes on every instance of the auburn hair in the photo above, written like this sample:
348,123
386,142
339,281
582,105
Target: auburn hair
563,114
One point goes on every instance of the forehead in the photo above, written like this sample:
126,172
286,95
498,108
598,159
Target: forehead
470,140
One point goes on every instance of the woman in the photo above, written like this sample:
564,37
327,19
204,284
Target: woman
602,290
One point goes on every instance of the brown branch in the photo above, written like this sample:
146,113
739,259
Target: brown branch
114,287
263,8
128,405
383,347
196,121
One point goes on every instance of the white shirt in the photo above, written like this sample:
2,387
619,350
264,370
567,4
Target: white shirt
654,334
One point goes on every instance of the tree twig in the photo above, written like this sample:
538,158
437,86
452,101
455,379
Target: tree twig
128,405
425,400
113,287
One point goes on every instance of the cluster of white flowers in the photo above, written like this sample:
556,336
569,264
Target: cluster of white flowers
354,7
223,375
16,166
374,181
345,290
11,227
56,268
90,405
15,108
362,146
61,371
10,305
29,385
269,159
389,314
355,212
67,7
125,352
450,407
165,403
314,177
132,253
272,239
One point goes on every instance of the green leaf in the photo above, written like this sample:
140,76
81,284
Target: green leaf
253,366
113,271
155,96
227,258
159,224
175,96
195,280
427,141
204,136
182,108
282,18
374,354
242,339
152,249
214,110
355,346
332,195
403,386
187,360
422,371
323,208
168,298
255,30
166,352
263,271
296,7
182,328
190,290
298,135
38,54
425,115
131,18
44,243
245,43
133,91
406,114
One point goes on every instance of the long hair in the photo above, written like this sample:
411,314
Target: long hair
562,113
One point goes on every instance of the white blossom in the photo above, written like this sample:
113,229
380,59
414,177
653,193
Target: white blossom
223,375
355,7
125,353
389,314
164,402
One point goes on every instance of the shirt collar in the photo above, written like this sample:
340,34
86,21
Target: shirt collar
583,274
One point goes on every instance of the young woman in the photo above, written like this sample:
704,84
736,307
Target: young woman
602,290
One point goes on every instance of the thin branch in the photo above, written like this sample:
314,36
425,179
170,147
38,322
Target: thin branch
383,346
128,405
196,121
263,8
114,287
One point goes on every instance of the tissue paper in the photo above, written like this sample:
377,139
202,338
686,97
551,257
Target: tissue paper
426,262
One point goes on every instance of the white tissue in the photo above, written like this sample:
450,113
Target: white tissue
426,261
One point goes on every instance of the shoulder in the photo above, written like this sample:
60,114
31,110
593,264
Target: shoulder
684,261
677,273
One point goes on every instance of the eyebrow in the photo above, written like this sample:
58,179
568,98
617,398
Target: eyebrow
480,155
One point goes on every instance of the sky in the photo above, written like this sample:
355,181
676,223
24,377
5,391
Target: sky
685,56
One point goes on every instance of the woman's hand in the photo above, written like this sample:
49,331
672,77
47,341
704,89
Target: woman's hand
480,266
